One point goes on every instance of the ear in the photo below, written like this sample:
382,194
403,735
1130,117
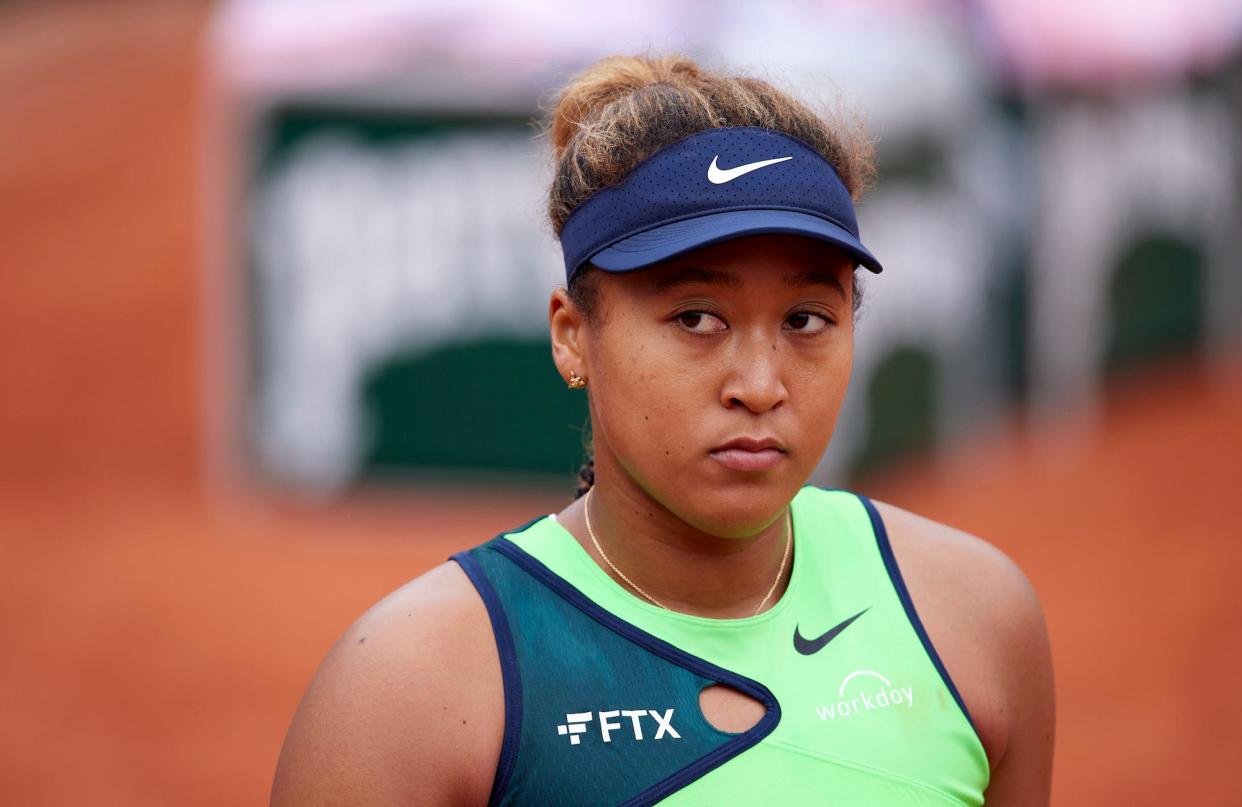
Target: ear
568,326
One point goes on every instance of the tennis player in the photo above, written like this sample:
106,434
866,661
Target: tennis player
700,626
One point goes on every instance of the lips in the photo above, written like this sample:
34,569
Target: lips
749,453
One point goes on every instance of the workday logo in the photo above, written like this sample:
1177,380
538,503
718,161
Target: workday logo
872,692
575,724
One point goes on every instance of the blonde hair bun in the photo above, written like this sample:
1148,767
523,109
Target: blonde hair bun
622,109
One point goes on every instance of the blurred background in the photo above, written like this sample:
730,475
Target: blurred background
273,342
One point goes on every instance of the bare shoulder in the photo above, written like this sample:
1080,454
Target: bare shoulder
407,707
984,618
981,574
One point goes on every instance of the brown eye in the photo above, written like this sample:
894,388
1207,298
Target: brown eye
700,322
806,322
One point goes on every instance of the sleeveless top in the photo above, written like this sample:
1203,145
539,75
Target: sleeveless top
602,688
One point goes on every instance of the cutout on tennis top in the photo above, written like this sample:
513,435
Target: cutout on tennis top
729,710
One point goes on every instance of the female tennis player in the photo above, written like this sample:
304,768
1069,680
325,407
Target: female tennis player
700,626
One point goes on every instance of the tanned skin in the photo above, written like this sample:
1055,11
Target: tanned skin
750,338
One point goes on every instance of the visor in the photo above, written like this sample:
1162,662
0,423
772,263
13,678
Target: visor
710,187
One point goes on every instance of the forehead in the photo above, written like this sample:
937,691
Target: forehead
756,260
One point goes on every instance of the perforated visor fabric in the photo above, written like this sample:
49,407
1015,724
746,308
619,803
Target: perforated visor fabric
712,186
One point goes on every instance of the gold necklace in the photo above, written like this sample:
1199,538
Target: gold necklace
586,511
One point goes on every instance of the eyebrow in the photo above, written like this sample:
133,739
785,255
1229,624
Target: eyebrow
697,274
815,277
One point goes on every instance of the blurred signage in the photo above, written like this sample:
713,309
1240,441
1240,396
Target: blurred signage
1037,233
399,273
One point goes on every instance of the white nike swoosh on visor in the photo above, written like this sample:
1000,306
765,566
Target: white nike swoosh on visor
719,176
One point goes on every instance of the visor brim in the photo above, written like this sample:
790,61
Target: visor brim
666,241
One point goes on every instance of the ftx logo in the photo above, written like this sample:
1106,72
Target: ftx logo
576,724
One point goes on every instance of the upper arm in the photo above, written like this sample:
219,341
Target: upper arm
1024,774
984,618
407,707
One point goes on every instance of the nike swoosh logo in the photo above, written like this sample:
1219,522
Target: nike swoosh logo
719,176
809,647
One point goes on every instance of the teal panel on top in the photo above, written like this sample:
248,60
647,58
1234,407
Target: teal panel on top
569,664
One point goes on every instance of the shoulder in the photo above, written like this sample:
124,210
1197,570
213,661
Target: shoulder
405,707
962,567
984,618
980,573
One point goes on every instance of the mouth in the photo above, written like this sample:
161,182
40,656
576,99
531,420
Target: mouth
749,453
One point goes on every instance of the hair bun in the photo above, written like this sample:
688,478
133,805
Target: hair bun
622,109
609,80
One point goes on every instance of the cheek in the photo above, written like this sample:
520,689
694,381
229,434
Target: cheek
649,400
827,374
817,384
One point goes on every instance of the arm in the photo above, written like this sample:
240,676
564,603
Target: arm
408,706
986,622
1024,774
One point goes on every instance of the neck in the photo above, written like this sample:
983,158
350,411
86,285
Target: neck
684,567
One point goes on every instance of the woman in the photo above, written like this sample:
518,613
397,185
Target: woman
699,627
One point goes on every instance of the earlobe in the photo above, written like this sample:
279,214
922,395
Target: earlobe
567,327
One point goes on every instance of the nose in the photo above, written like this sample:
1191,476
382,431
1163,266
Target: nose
755,381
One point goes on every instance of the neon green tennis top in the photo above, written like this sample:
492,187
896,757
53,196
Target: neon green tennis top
601,687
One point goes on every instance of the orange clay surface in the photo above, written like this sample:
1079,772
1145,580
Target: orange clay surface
154,642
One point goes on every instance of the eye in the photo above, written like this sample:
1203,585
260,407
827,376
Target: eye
701,322
807,322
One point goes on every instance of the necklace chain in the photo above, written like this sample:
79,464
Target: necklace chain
586,510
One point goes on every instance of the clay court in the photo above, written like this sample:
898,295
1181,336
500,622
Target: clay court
157,634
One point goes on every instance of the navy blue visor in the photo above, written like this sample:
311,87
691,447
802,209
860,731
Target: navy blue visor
707,188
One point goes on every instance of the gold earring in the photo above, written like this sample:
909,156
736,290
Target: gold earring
576,381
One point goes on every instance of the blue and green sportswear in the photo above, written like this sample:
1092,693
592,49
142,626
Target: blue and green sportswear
602,688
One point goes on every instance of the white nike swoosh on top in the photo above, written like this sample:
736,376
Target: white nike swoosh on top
719,176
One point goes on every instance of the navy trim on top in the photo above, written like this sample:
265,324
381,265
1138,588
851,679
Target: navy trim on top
894,573
669,652
510,675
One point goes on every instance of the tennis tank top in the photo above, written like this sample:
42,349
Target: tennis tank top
602,688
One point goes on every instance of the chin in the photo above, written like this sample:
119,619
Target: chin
738,511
